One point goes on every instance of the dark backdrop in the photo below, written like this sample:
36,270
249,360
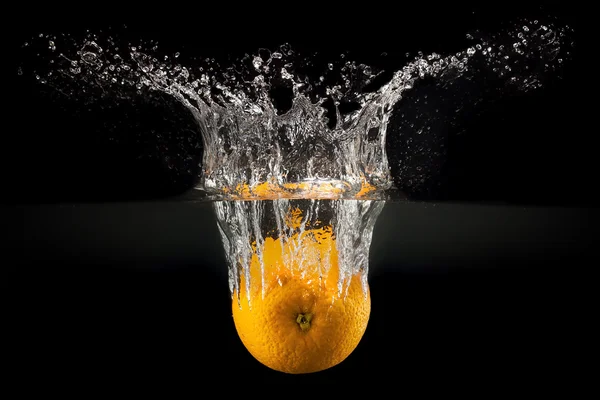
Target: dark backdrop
109,278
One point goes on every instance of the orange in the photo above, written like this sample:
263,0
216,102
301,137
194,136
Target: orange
295,317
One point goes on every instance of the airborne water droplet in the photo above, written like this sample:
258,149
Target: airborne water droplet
257,62
285,74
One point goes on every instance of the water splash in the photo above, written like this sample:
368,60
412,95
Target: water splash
257,144
323,140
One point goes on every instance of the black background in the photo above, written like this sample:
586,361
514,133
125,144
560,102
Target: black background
109,279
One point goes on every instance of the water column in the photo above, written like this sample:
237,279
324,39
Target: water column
301,238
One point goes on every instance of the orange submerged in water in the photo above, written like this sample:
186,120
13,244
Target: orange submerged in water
293,318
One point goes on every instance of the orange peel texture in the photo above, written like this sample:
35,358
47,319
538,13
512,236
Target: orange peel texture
294,318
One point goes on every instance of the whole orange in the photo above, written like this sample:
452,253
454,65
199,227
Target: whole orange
293,312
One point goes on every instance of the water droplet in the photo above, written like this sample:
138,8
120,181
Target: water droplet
330,66
176,55
526,28
89,57
257,62
20,71
51,45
